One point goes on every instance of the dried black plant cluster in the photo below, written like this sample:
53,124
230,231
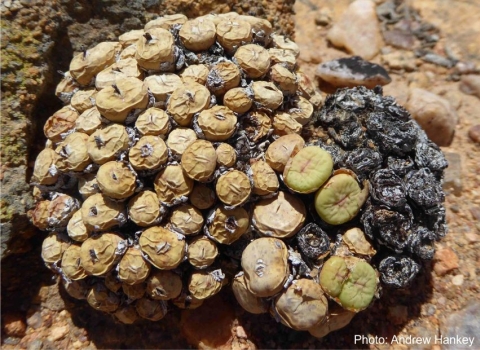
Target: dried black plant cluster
377,139
177,166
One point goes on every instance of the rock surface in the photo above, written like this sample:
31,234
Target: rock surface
445,261
474,133
464,323
358,30
13,325
434,114
470,84
398,60
351,72
452,181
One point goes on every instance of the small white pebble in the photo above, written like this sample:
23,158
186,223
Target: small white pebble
457,280
241,332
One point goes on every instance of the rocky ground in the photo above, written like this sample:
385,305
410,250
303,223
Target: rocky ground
432,54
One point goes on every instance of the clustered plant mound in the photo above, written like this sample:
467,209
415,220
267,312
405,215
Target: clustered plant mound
193,154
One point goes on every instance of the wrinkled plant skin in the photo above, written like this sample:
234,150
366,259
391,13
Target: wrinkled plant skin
185,190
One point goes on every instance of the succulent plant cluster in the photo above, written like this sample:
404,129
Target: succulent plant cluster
179,165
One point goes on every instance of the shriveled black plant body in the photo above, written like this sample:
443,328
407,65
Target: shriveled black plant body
377,139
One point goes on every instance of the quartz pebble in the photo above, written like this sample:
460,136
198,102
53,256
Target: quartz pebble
358,30
352,71
457,280
445,261
398,60
474,133
14,325
400,38
452,181
434,114
58,333
470,84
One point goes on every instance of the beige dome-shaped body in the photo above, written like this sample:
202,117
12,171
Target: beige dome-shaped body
186,219
76,228
162,86
284,124
302,110
226,155
130,37
199,160
284,79
179,139
246,298
253,59
105,144
205,284
123,68
153,121
60,124
302,305
100,253
233,188
337,318
116,101
265,180
155,50
44,170
102,213
166,21
144,209
280,151
233,33
164,248
164,285
222,77
265,264
217,123
86,65
116,180
186,100
89,121
153,310
238,100
149,153
281,216
102,299
198,34
88,185
195,73
52,248
228,225
133,268
172,184
267,95
72,263
202,196
202,252
83,100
